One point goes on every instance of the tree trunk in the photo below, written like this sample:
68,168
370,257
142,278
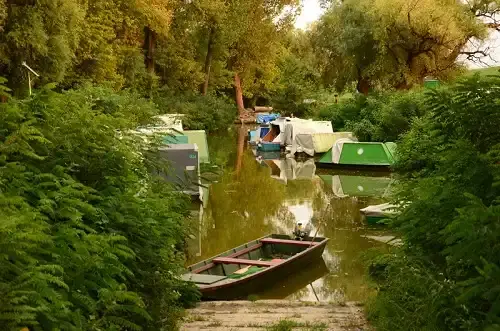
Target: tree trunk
363,86
238,93
149,48
208,61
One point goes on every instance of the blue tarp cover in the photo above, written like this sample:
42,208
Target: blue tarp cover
266,118
264,131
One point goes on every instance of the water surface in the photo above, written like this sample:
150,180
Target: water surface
255,196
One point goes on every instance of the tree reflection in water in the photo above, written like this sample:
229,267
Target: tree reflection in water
246,203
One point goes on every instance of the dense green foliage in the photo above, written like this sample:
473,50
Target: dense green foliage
186,46
378,117
447,274
299,78
89,239
210,113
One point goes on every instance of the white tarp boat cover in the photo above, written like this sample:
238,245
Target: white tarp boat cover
290,127
171,121
317,142
290,169
337,148
294,128
165,124
337,187
382,210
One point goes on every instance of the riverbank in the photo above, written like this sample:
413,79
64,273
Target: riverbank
275,315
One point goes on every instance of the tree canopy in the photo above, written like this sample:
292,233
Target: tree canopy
247,49
396,43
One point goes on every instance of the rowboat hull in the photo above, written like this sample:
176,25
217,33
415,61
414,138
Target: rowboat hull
258,282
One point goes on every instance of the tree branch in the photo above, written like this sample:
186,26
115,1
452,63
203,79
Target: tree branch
478,56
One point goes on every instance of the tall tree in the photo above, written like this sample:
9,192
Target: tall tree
254,51
43,34
395,43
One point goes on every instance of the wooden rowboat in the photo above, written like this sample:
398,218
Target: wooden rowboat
249,268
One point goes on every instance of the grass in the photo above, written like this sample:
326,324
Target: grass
289,325
485,71
215,324
253,297
198,318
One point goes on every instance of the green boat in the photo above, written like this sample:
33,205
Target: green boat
173,139
252,267
431,83
199,137
357,186
377,213
351,153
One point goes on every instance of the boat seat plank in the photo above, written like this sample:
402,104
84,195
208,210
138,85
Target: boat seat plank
288,242
235,254
204,268
228,260
245,251
202,278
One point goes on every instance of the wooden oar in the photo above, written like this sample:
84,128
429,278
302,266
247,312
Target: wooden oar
312,241
317,230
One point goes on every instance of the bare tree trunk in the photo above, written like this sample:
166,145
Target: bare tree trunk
238,93
208,61
363,86
149,47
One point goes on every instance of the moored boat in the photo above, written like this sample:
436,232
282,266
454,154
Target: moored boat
265,146
377,213
346,152
249,268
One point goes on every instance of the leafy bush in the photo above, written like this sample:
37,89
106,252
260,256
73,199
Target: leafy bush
88,239
382,117
211,113
449,164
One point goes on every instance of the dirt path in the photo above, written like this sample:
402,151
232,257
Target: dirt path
274,315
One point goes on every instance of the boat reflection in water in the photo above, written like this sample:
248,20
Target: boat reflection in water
262,193
358,184
302,278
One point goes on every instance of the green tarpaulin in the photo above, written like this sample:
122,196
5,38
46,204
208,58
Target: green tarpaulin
357,186
360,153
175,139
199,137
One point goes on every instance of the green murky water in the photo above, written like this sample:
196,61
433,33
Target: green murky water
254,198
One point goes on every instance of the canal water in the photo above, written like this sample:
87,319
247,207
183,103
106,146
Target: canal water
250,196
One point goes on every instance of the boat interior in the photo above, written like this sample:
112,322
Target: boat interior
248,259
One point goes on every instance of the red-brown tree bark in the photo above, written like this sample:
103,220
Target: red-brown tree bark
363,86
238,93
242,134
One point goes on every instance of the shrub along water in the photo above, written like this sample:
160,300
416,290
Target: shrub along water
379,117
447,274
210,112
89,240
